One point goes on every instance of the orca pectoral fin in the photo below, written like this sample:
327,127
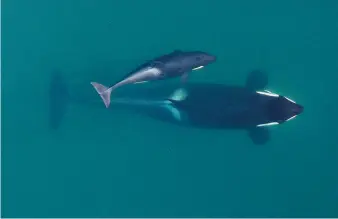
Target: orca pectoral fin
259,135
257,80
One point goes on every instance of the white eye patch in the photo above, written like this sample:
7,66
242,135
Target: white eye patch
267,93
290,100
268,124
291,118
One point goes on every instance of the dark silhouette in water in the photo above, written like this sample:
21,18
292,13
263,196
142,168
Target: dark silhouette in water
176,64
216,106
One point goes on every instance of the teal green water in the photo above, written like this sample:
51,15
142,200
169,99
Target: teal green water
103,164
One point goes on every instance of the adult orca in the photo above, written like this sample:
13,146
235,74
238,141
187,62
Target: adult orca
206,105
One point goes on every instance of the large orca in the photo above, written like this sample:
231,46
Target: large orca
208,106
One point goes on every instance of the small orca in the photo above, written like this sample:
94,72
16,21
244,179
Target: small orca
203,105
175,64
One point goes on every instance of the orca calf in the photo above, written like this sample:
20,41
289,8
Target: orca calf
175,64
209,106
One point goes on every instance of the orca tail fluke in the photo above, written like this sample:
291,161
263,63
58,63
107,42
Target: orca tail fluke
58,100
104,92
